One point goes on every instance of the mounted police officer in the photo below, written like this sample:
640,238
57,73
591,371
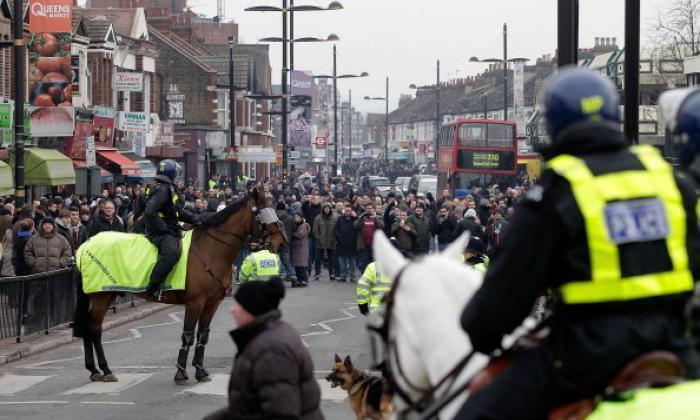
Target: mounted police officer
164,209
612,230
681,109
260,265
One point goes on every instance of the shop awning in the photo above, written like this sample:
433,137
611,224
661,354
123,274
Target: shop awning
117,163
7,185
106,175
47,167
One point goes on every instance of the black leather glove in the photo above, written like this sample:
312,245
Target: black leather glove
364,308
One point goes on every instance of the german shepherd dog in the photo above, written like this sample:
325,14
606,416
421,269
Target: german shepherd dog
366,392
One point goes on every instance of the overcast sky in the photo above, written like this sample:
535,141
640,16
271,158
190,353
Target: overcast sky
402,39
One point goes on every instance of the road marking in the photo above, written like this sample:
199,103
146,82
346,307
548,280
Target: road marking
33,402
325,327
12,384
218,386
108,402
43,365
331,394
126,381
135,333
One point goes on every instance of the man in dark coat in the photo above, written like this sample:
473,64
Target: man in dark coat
284,251
107,222
346,242
273,375
468,224
444,227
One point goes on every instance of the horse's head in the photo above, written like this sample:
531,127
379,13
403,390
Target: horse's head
268,225
421,338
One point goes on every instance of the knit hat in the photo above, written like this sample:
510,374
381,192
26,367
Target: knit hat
47,219
258,297
470,213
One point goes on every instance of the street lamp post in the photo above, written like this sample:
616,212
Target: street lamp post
438,120
335,78
386,117
504,63
19,54
350,126
289,9
232,116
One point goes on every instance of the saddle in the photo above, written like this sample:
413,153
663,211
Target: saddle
650,370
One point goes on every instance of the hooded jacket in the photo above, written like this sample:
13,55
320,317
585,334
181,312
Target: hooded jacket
345,236
324,228
47,252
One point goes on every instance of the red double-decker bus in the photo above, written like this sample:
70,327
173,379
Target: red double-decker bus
476,152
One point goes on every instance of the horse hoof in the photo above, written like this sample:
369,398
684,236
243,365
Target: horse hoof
181,377
97,377
110,378
203,378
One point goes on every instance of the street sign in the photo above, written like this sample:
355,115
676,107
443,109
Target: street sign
321,142
294,154
90,158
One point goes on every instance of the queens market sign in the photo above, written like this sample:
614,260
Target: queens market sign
133,122
128,82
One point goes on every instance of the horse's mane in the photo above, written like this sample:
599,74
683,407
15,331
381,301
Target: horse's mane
222,216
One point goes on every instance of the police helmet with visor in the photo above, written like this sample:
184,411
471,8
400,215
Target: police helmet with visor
170,169
578,96
681,111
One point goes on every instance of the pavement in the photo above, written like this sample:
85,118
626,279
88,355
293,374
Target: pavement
53,384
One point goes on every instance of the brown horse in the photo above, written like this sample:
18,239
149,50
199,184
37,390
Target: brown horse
214,249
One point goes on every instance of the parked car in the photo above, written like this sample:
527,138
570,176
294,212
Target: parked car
402,183
423,184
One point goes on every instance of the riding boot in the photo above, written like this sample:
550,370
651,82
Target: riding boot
187,341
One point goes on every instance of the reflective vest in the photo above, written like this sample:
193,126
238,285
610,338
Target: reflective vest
372,287
482,266
174,196
479,267
627,207
260,265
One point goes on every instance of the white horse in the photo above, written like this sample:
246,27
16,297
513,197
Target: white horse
429,340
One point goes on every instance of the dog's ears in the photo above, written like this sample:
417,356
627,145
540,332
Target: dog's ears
338,359
348,362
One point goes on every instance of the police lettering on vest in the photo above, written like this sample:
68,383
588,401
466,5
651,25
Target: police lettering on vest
626,207
259,266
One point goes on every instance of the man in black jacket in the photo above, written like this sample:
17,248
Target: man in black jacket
273,374
445,227
469,224
621,285
164,209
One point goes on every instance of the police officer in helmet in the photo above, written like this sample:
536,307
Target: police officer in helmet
164,209
681,109
260,265
621,285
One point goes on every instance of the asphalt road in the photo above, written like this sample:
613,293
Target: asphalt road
54,384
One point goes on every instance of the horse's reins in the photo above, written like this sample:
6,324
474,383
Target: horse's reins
428,394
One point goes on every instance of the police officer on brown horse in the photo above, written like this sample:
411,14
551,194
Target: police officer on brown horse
164,209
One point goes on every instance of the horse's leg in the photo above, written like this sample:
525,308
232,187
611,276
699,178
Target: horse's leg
95,329
95,375
192,313
201,374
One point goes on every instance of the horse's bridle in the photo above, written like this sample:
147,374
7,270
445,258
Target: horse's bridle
390,349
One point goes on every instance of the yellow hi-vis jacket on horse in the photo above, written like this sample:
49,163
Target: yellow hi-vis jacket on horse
260,265
372,287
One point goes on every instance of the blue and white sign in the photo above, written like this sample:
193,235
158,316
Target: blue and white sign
636,221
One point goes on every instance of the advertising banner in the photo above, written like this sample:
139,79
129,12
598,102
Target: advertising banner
138,143
6,118
76,144
165,133
90,153
128,82
104,130
50,68
50,16
519,97
302,92
133,122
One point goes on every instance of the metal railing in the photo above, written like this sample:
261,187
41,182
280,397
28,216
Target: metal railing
34,303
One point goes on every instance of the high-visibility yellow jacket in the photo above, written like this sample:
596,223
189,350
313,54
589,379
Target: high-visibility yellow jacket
260,265
372,287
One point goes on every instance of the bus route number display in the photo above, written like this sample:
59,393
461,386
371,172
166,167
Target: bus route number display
494,160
